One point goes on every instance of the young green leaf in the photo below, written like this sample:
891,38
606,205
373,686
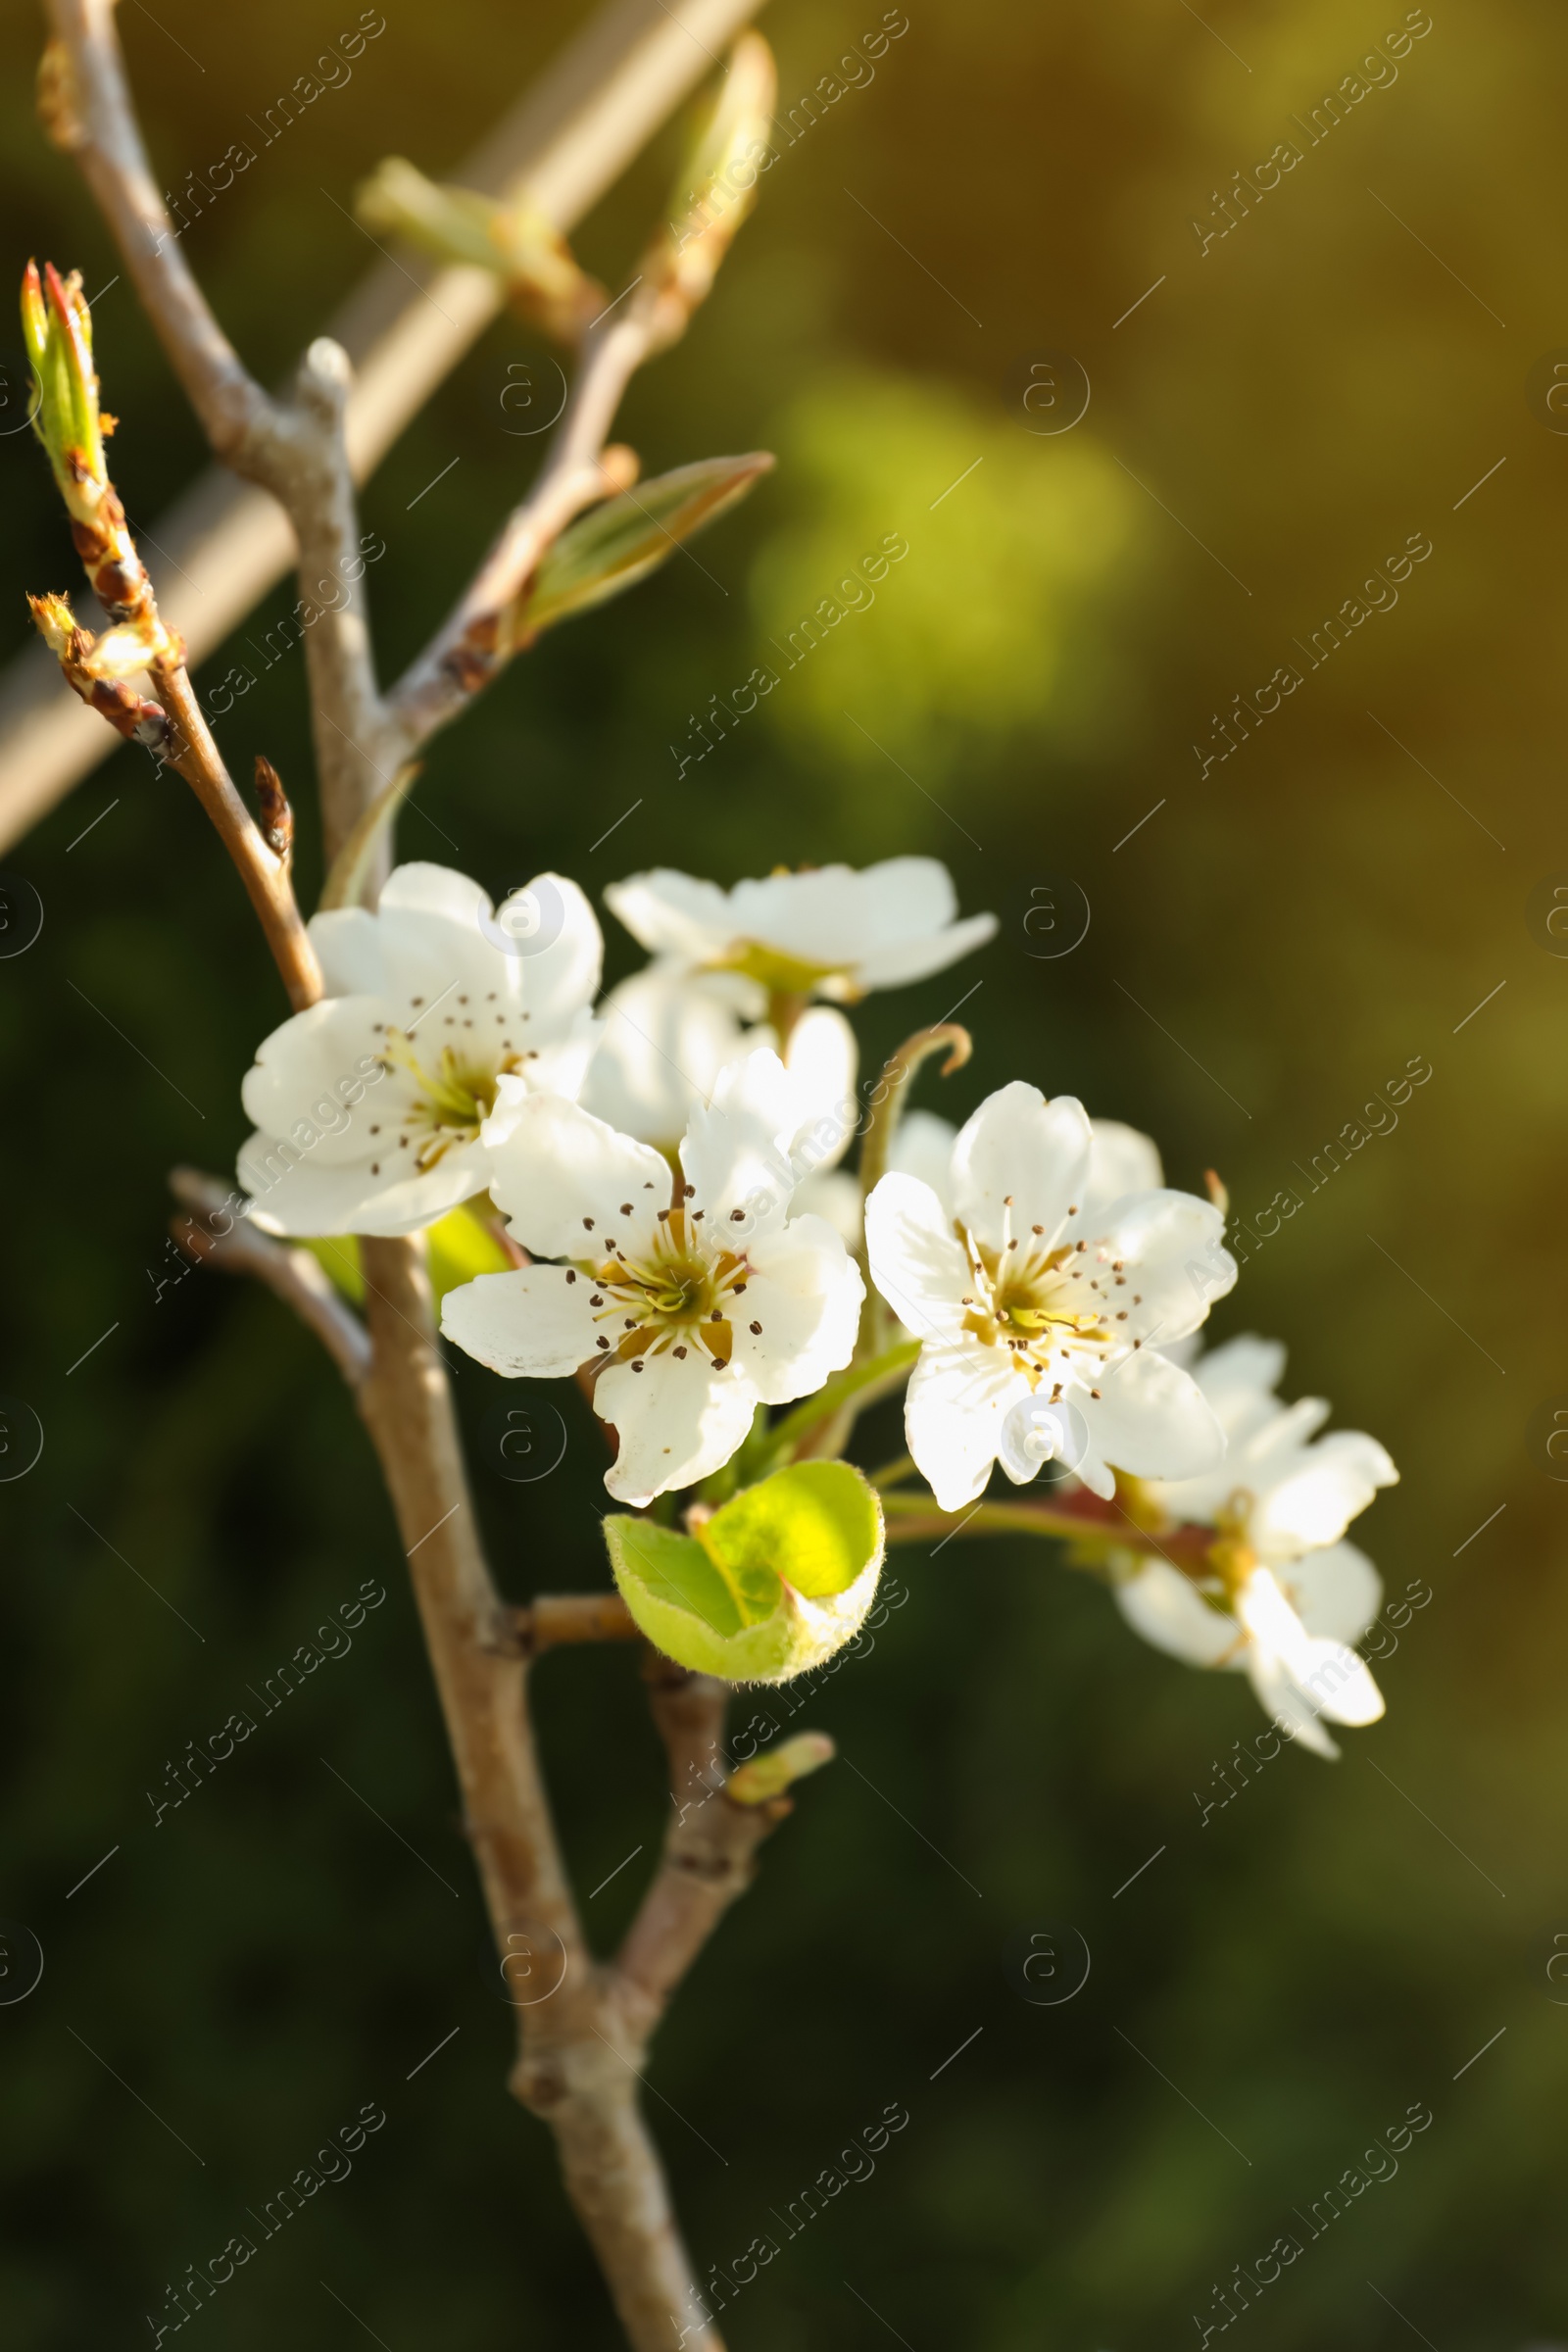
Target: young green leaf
617,544
769,1585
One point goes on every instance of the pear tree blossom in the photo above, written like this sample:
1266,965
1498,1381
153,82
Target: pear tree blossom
1280,1596
368,1106
691,1300
830,932
1031,1289
674,1169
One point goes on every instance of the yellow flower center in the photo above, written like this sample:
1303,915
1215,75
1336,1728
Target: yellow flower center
454,1099
1039,1303
674,1296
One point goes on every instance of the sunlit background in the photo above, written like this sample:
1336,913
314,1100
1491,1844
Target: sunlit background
1017,197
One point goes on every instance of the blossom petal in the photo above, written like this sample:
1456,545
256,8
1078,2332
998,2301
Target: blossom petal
804,1291
560,974
817,917
917,1262
1282,1698
1167,1609
674,914
461,973
1151,1418
904,960
664,1038
533,1323
563,1178
1338,1478
677,1421
958,1397
906,898
1237,1374
922,1145
835,1197
1174,1242
736,1150
1021,1144
1341,1685
821,1059
1121,1160
295,1193
1326,1677
1336,1592
352,956
324,1066
421,888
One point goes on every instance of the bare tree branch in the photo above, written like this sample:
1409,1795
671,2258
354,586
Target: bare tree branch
223,545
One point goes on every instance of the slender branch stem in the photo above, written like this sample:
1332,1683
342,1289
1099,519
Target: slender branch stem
1085,1520
97,122
898,1076
894,1473
195,756
474,642
357,749
296,449
912,1518
214,1234
710,1849
554,1620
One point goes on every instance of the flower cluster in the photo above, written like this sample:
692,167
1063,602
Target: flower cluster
688,1245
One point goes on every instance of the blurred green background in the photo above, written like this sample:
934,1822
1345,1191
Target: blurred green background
1279,938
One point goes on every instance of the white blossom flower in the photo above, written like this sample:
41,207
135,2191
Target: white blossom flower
1120,1159
664,1037
667,1033
699,1296
1037,1306
1286,1597
369,1106
830,931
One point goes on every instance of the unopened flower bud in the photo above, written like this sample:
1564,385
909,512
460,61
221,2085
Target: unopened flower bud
96,669
58,109
277,818
57,328
58,332
769,1775
519,243
718,187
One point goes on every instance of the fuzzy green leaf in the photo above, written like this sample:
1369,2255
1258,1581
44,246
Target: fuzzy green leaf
772,1585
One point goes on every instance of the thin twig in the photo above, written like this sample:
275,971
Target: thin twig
709,1850
95,121
218,1234
474,642
554,1620
195,755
